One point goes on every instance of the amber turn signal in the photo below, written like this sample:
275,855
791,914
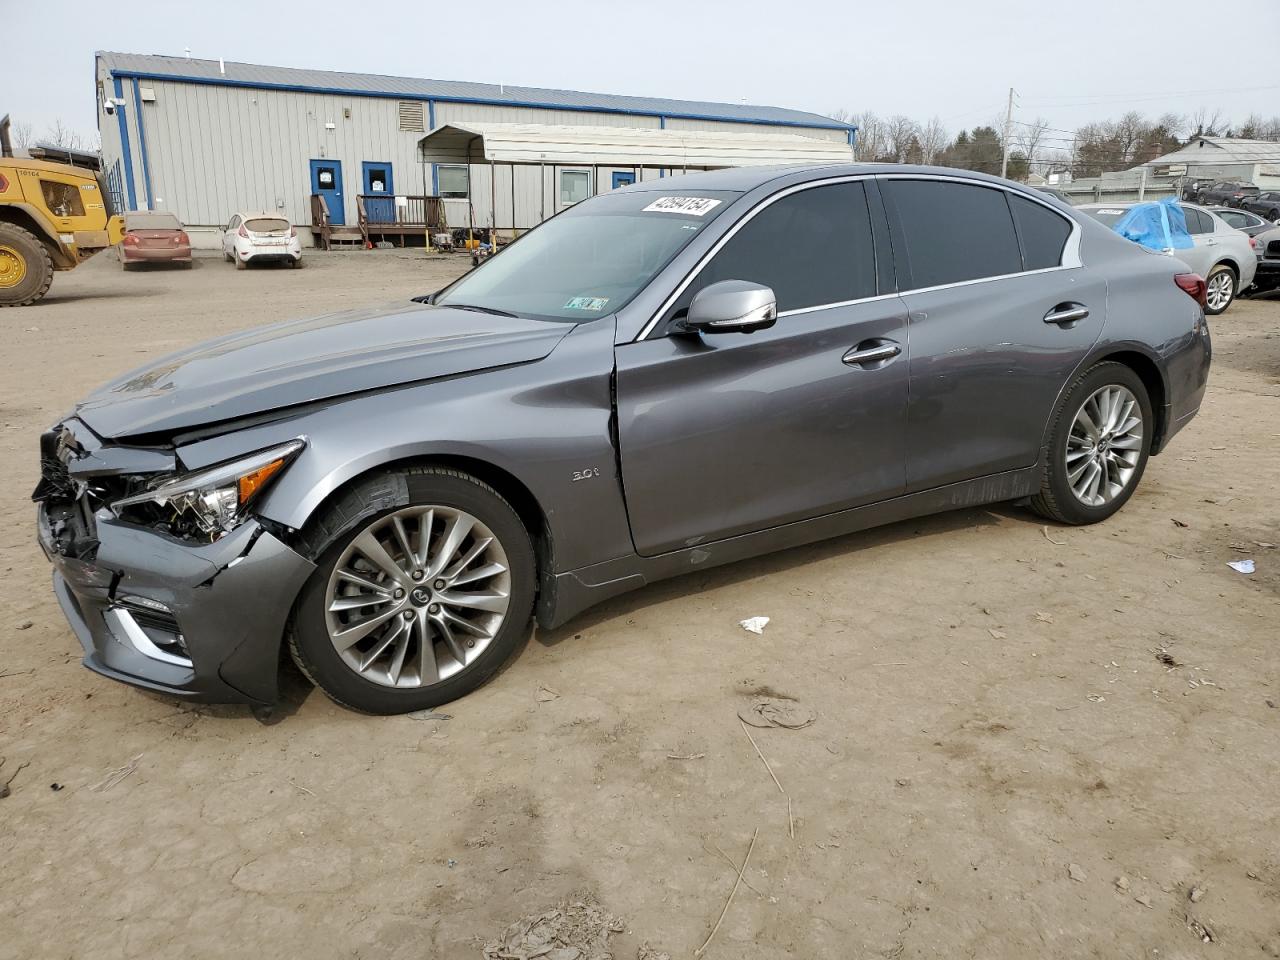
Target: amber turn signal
251,483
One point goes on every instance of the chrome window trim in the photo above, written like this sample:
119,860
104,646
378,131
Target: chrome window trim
1070,250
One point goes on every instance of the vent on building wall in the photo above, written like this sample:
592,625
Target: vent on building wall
411,115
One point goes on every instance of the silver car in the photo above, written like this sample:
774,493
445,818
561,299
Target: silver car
1221,254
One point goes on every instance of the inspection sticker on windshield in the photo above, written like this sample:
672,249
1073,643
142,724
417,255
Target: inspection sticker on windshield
692,206
586,303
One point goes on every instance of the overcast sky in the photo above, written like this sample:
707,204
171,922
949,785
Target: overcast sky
946,58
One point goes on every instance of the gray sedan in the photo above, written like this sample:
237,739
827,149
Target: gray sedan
675,375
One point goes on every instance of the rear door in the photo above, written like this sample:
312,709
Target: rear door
1000,316
724,434
1203,254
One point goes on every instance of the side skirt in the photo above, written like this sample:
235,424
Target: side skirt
575,591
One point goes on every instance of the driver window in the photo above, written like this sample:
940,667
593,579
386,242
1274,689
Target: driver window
812,247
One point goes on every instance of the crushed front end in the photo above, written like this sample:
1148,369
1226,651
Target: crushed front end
156,600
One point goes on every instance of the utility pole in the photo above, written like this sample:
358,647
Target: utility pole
1008,128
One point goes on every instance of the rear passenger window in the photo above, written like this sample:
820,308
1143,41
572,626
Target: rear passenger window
1197,221
812,247
952,231
1043,232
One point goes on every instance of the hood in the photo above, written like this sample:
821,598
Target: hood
302,361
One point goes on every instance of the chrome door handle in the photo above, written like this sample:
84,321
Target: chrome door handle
1066,314
886,351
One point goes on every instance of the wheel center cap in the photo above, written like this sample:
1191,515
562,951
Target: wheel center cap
420,596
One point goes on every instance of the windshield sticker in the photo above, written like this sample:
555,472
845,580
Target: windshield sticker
691,206
586,303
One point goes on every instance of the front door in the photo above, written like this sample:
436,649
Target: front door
379,193
724,434
623,178
995,320
326,180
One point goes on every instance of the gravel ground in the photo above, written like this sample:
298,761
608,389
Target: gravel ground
1029,741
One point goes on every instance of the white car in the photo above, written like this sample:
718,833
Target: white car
1221,254
261,238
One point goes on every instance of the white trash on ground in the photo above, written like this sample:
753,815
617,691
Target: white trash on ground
1241,566
754,624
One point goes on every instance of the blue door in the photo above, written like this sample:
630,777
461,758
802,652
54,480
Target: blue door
379,192
621,179
326,180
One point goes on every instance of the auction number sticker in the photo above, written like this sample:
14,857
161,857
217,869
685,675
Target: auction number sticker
586,303
691,206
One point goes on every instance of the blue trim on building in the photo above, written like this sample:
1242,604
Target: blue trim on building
538,105
142,143
124,145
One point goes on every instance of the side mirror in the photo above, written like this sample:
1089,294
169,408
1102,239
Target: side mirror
731,306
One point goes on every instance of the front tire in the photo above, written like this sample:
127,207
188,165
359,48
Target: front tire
1099,443
1220,289
418,602
26,271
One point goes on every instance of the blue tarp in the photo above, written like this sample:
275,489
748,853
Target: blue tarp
1158,226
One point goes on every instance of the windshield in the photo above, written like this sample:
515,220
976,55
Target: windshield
151,221
1109,216
266,225
591,260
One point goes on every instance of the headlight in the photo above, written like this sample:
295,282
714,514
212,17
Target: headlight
214,500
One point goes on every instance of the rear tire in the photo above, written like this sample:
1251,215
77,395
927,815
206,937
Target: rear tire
241,264
1222,289
1059,498
407,661
26,270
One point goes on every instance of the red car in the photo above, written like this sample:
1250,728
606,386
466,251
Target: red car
153,237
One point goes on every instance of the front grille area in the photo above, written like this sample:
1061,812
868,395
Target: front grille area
69,505
1273,248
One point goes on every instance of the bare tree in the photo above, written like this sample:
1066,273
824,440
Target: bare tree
1206,123
21,133
870,141
933,140
1029,137
841,115
899,132
60,135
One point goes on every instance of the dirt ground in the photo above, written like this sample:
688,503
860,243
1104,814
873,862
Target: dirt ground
997,740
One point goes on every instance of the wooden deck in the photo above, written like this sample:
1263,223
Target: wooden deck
378,218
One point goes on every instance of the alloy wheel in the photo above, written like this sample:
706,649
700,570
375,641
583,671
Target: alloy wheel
417,596
1221,288
1104,446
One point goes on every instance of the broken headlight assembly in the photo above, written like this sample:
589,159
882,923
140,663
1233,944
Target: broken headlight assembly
209,503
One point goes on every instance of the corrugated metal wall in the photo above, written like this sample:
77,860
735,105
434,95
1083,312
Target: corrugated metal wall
212,150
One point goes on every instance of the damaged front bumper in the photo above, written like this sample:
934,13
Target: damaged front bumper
198,621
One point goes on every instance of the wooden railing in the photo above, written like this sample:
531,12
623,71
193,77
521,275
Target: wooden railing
320,220
383,213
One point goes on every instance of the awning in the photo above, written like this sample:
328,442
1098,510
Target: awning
479,142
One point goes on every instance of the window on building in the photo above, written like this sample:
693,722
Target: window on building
1044,233
62,199
575,185
811,248
454,182
953,231
411,116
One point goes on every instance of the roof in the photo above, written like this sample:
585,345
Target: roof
1222,150
477,142
183,69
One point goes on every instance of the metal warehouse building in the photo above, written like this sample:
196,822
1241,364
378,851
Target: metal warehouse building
204,139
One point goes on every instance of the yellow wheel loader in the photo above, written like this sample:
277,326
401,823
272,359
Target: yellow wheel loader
53,216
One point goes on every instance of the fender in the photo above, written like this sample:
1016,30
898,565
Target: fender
543,423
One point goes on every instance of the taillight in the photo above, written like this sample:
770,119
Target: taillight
1193,285
181,238
130,240
1253,242
243,232
293,232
